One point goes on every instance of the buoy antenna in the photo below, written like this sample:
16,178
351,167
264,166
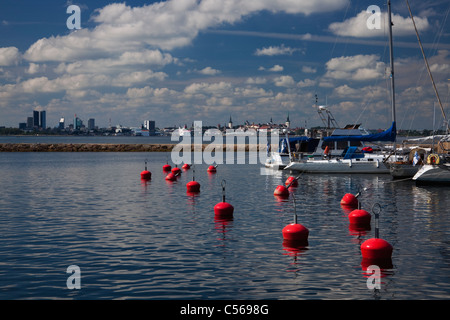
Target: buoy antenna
193,173
145,164
223,190
295,211
376,209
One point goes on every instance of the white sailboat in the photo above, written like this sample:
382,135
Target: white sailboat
437,168
353,160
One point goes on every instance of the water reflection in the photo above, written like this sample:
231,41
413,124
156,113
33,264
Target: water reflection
378,274
222,226
145,183
294,249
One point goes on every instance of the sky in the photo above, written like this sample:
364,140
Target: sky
180,61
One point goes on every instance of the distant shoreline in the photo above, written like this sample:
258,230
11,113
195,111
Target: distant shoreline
102,147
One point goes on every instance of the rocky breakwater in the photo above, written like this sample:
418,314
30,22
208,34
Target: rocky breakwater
83,147
101,147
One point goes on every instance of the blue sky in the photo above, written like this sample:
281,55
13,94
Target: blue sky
181,61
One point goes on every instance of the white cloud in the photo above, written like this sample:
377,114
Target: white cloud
307,69
276,68
359,67
306,83
34,68
357,26
165,25
257,80
9,56
284,81
273,51
217,88
209,71
440,68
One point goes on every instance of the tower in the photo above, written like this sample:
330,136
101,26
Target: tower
288,122
36,119
230,123
42,120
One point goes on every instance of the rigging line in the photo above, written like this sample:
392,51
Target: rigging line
428,67
335,42
437,38
374,87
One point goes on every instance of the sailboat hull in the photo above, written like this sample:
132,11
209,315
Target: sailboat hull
433,174
346,166
403,170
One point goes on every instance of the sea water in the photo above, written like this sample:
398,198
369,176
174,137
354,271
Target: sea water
134,239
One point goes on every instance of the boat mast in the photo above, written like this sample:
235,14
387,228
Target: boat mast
391,56
428,69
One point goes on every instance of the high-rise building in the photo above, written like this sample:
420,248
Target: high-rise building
61,123
30,122
36,119
42,120
39,120
91,124
77,123
150,126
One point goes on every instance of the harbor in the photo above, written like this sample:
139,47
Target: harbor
150,239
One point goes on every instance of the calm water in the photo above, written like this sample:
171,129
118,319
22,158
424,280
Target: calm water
138,240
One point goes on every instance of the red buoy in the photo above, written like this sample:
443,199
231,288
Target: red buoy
211,169
291,182
223,210
176,171
146,175
359,217
376,249
193,186
186,166
295,232
171,177
281,191
167,168
349,200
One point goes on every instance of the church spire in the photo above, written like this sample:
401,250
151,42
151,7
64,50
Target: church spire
288,122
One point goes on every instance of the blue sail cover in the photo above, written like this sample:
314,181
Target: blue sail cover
283,144
388,135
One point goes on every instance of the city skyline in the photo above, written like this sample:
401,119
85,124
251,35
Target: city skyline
180,61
